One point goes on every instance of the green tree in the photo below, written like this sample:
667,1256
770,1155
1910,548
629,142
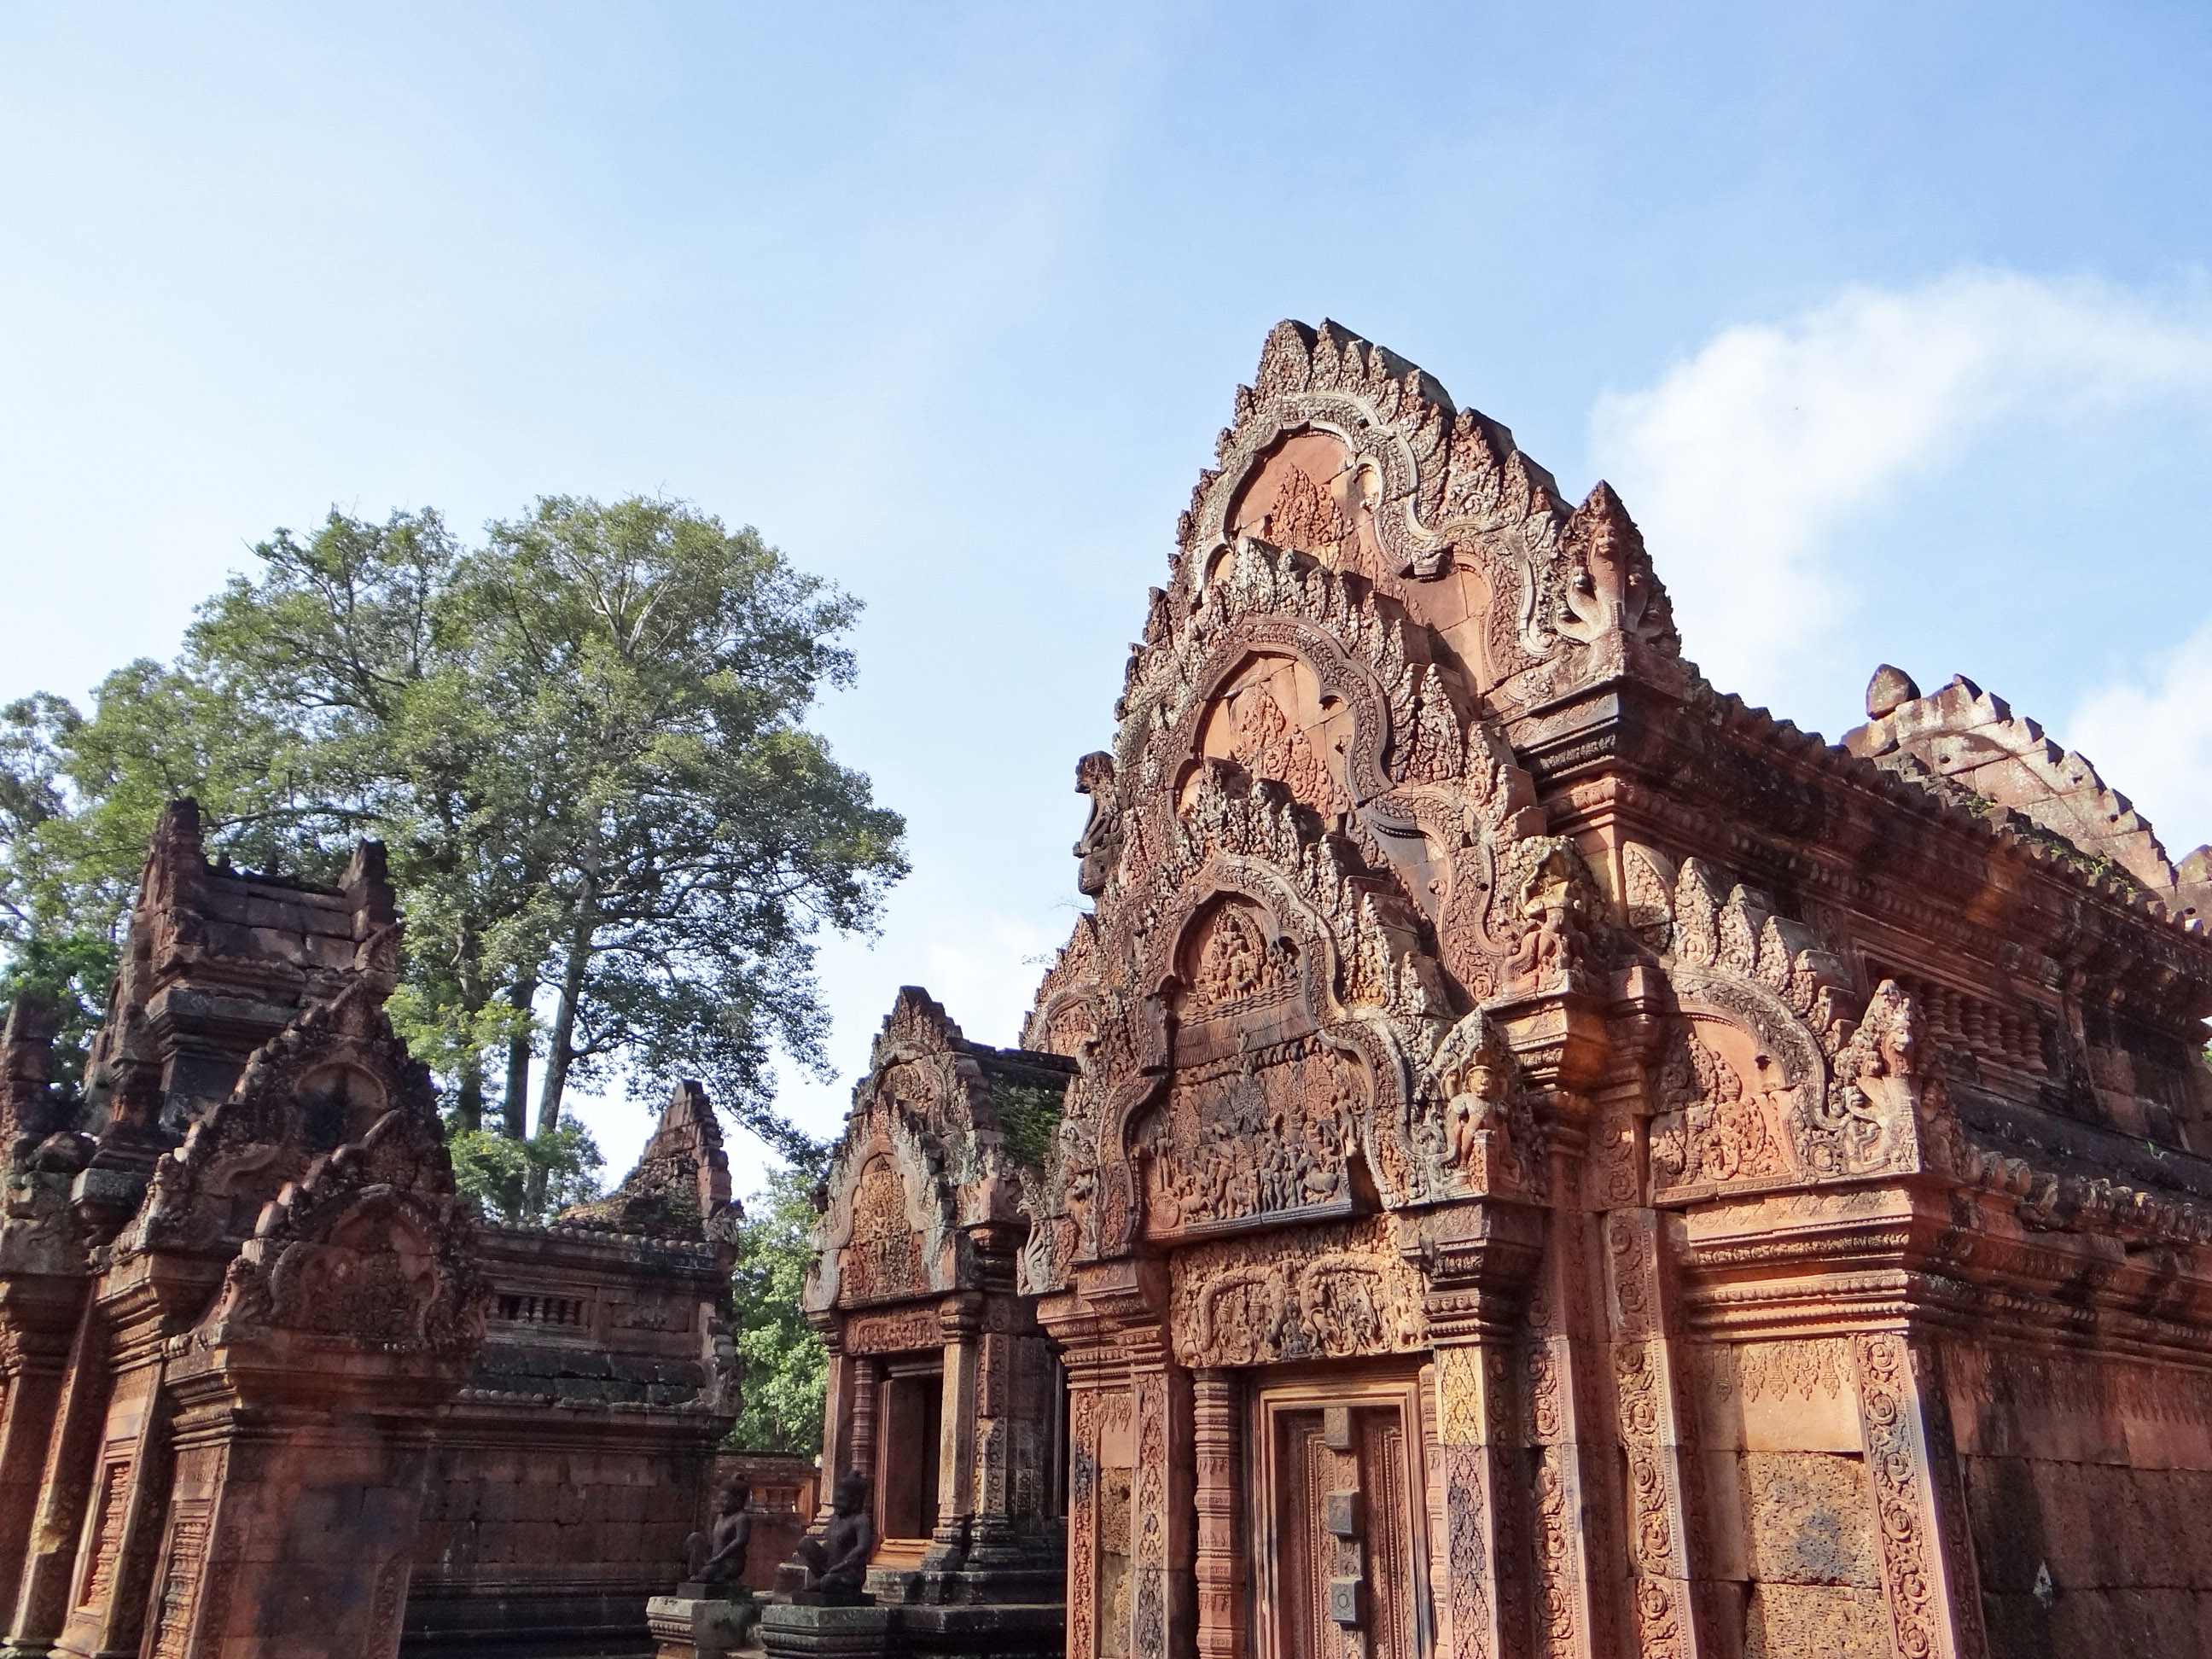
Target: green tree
584,745
787,1368
498,1171
656,668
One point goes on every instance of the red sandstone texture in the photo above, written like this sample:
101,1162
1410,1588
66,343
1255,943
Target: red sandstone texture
1556,1160
271,1388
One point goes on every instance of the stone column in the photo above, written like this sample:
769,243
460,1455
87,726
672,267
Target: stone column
838,1418
955,1455
1928,1572
1218,1497
41,1314
49,1563
866,1373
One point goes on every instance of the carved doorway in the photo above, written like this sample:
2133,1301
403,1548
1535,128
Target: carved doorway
911,1418
1337,1524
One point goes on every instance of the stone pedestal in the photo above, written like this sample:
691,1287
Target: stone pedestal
799,1632
696,1627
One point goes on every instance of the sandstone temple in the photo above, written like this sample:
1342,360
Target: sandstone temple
1526,1157
270,1388
1544,1159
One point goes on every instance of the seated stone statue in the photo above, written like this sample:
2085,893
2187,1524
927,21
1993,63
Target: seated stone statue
718,1555
836,1563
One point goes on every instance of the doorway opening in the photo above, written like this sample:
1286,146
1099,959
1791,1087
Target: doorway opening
1339,1522
912,1421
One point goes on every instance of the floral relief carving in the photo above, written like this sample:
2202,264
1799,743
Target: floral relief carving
1714,1129
893,1333
1148,1631
1651,1536
1801,1369
1894,1460
1082,1426
1647,895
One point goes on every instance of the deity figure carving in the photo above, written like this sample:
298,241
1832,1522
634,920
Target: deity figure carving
718,1555
837,1562
1099,848
1557,917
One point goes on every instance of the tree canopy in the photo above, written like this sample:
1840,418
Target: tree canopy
787,1368
584,742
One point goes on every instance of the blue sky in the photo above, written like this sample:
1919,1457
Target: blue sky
1891,325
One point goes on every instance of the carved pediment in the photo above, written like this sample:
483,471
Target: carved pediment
326,1081
1356,457
371,1249
939,1170
1767,1074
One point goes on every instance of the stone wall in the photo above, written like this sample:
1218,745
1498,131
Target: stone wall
573,1465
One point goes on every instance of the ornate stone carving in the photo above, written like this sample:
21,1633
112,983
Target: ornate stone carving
326,1079
882,1258
1894,1460
893,1333
1099,848
1558,907
1476,1127
1341,1292
370,1247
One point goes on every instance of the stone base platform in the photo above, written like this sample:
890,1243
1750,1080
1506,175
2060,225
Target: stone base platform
688,1628
1035,1631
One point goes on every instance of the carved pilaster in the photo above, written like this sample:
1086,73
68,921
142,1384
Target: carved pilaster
1216,1436
49,1564
1565,1406
1663,1511
1161,1611
866,1373
1481,1587
956,1458
40,1314
1928,1572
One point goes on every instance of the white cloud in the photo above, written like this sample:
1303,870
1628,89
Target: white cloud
1744,459
2152,740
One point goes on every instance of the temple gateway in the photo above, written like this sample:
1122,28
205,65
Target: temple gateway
1527,1155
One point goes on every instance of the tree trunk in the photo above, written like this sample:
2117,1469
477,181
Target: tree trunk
560,1052
468,1100
516,1115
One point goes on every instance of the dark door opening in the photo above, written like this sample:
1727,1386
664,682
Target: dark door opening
906,1456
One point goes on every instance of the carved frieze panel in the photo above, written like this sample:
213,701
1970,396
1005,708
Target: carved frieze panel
1255,1139
1335,1291
883,1259
900,1332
